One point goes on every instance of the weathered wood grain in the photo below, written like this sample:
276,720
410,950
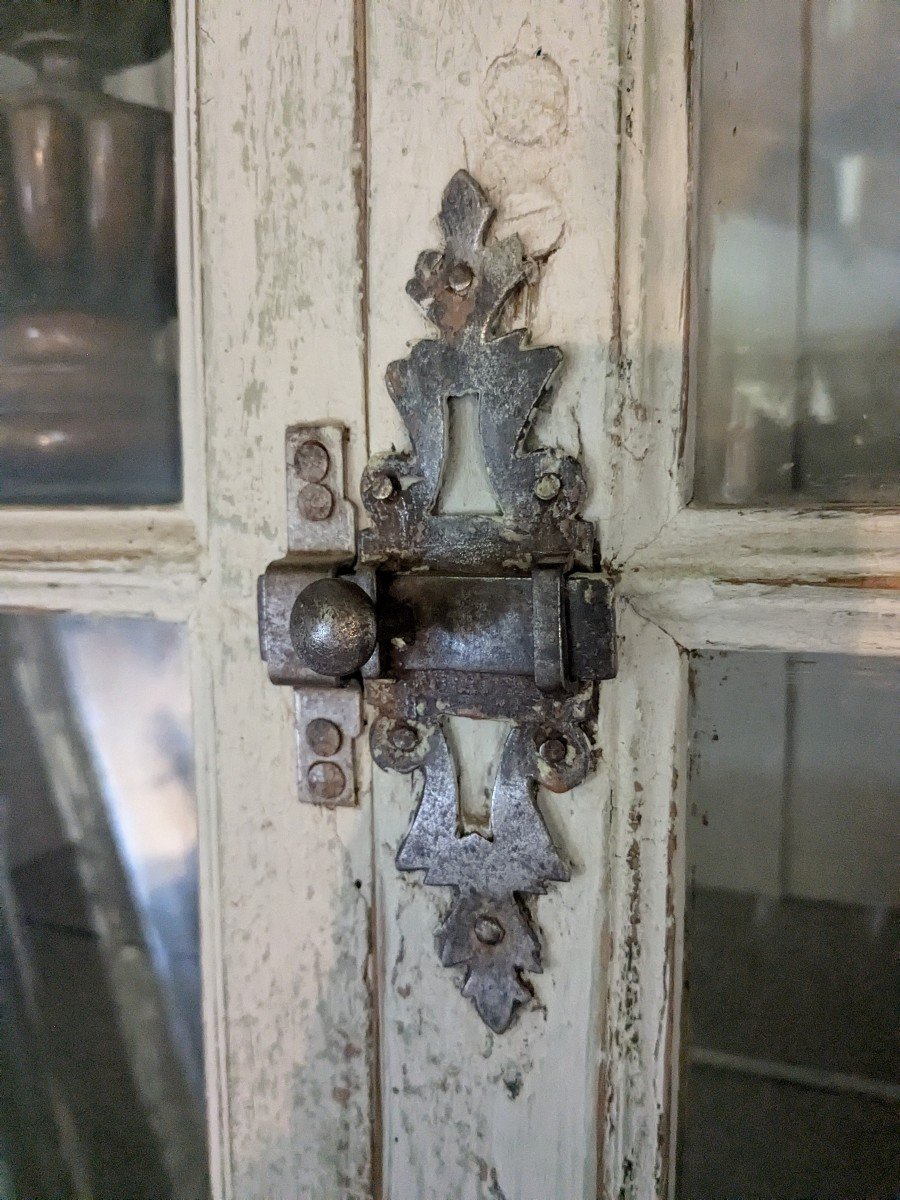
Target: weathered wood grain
524,96
282,336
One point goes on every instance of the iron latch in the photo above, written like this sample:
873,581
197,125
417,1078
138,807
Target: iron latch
433,614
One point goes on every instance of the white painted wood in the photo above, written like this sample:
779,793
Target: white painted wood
191,397
644,717
170,595
807,547
79,538
643,734
643,416
525,97
289,962
711,579
701,614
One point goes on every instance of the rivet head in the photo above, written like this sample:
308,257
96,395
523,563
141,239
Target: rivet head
404,738
488,930
547,487
460,277
311,461
324,737
332,626
552,750
326,780
383,487
315,502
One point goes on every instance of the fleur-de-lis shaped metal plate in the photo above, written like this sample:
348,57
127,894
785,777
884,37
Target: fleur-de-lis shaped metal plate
456,573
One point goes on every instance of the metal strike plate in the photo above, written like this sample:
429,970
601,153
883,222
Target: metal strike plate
485,616
327,719
321,536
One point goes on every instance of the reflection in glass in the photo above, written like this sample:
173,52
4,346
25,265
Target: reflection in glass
101,1082
796,359
791,1078
88,343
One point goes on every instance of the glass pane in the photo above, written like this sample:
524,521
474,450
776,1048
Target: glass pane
796,350
101,1078
88,336
790,1085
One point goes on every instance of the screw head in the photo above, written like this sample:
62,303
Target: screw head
332,626
404,738
547,487
383,487
460,277
311,461
324,737
315,502
552,750
488,930
326,780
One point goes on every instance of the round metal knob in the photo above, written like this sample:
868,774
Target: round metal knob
333,626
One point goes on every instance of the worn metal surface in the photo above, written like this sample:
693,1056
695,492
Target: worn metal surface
332,626
327,720
487,929
464,614
314,628
494,625
519,640
314,459
540,491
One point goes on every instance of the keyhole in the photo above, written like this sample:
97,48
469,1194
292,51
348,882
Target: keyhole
465,487
477,747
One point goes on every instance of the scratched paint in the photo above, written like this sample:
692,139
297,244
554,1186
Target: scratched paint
524,96
282,343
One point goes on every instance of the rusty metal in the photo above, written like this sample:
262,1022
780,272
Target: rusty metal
323,736
484,616
325,768
328,716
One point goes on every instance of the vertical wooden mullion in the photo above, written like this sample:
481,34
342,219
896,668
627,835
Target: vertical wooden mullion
644,712
525,97
643,733
287,952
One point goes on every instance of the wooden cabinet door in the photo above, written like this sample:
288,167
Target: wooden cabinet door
342,1061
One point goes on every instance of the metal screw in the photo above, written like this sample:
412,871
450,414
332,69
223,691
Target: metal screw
547,487
460,277
315,502
404,738
311,461
383,487
552,750
489,931
324,737
326,780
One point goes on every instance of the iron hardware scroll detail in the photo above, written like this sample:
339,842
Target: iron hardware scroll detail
486,616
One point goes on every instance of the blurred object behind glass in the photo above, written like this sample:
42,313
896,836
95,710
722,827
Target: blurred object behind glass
796,361
101,1074
88,337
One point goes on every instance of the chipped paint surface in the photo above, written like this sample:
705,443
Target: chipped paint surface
282,343
352,1067
524,96
577,116
643,722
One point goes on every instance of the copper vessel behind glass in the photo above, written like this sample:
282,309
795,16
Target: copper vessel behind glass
88,363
